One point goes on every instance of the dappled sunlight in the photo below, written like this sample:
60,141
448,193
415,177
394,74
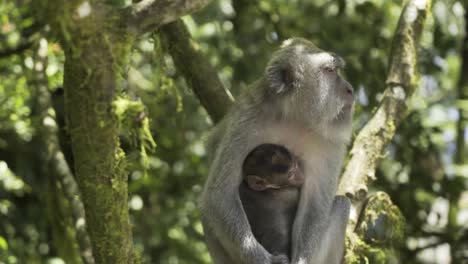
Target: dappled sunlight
109,132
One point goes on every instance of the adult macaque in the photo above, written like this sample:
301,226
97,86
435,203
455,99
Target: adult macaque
303,104
270,195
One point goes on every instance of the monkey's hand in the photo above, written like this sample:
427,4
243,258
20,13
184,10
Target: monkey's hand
279,259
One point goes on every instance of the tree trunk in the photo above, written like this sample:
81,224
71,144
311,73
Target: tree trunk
93,74
96,52
97,37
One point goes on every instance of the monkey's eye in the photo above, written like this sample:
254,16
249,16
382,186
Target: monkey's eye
280,168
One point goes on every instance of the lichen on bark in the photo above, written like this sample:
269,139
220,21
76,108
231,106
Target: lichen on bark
97,37
378,234
93,75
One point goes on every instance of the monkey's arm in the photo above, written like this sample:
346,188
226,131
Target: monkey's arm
308,231
222,210
223,214
215,137
319,232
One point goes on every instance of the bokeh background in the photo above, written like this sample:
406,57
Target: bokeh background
424,170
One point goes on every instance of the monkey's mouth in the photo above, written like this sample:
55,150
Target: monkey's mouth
348,106
345,112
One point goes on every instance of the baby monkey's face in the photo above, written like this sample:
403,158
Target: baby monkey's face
270,166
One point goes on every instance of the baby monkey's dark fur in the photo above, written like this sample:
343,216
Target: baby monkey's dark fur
270,194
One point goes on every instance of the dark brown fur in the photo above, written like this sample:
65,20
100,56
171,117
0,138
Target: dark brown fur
270,194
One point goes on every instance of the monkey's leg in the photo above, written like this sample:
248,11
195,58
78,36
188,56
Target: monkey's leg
308,231
308,238
312,221
334,240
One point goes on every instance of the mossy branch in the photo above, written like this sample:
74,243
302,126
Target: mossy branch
53,160
402,81
199,74
149,15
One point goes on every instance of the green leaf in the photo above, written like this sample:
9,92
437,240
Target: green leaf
3,244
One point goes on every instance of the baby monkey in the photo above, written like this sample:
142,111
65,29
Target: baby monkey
270,192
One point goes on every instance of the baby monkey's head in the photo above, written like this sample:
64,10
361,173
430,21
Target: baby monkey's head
270,166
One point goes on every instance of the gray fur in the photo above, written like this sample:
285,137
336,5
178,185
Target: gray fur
300,106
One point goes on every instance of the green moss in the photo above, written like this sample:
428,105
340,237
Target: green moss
379,233
94,68
135,127
365,253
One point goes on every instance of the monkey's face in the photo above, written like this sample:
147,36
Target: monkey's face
308,88
332,96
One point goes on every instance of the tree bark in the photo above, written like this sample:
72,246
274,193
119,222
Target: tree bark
199,74
97,37
93,72
55,166
461,154
149,15
462,124
402,81
366,152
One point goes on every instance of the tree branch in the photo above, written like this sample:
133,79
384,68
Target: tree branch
402,81
54,161
149,15
26,42
16,50
461,154
198,73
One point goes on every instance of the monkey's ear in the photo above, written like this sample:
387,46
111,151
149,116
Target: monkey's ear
256,183
283,76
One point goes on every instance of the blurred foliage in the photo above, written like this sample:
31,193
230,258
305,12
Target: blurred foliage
238,37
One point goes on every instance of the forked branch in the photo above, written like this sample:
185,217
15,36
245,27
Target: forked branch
402,81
